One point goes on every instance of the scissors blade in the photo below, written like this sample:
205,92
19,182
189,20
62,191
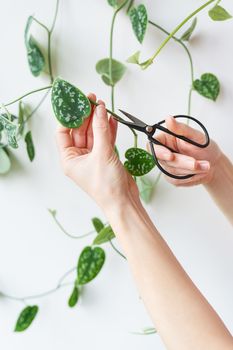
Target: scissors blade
136,121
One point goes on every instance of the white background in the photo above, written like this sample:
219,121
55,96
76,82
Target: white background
34,253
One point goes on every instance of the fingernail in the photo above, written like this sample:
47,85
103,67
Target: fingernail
204,165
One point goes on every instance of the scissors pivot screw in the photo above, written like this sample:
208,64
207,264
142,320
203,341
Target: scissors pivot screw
149,128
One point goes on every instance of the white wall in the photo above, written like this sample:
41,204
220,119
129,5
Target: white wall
33,252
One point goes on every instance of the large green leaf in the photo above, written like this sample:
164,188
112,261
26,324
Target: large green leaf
218,13
10,129
26,317
5,163
145,187
90,263
139,161
104,236
118,70
70,105
30,146
98,224
208,86
35,57
73,299
187,34
139,20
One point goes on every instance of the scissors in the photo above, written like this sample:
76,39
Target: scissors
150,130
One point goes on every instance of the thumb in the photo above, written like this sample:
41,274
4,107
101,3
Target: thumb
101,130
184,130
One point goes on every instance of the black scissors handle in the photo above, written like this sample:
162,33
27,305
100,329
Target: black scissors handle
153,140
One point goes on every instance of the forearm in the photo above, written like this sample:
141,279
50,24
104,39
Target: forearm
221,187
180,313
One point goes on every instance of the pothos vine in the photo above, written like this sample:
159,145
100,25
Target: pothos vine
71,107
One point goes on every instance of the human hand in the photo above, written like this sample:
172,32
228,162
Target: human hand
191,159
88,158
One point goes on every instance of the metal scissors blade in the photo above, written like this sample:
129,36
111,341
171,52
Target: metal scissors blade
136,121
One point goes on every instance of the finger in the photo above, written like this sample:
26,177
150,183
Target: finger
180,171
192,181
63,138
101,129
113,125
80,134
189,163
161,152
90,136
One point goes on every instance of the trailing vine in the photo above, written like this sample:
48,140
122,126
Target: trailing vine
71,107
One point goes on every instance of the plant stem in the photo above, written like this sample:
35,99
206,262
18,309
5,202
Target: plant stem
66,232
179,41
44,294
27,94
147,63
116,250
49,43
130,5
112,98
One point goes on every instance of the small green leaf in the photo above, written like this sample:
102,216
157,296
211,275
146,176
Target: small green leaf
118,70
10,129
139,161
26,317
134,58
30,146
104,236
97,223
73,299
208,86
115,3
218,13
139,20
70,105
5,163
35,57
90,263
187,35
145,187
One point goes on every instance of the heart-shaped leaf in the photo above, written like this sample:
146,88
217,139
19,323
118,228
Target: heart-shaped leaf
10,129
145,187
208,86
73,299
70,105
118,70
104,236
97,223
187,34
139,20
35,57
5,163
218,13
30,146
26,317
139,161
90,263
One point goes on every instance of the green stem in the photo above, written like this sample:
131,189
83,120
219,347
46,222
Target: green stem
49,43
112,98
150,61
55,16
116,250
44,294
130,5
27,94
40,24
66,232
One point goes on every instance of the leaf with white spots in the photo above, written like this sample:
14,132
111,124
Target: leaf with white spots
26,317
139,162
208,86
5,163
9,128
90,263
70,105
118,70
139,20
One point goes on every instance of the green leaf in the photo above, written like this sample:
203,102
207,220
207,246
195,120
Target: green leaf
10,129
145,187
115,3
98,224
26,317
187,35
90,263
23,114
73,299
139,161
104,236
218,13
5,163
208,86
134,58
30,146
139,20
118,70
35,57
70,105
